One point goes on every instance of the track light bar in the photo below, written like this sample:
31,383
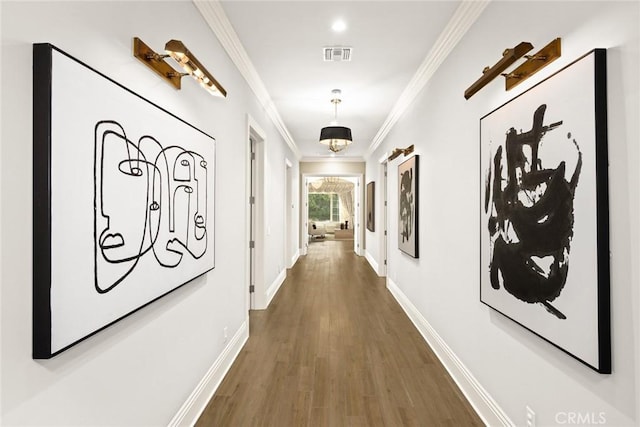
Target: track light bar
509,56
397,151
179,52
156,62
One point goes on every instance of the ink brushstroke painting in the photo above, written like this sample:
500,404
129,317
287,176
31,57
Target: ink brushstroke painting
544,210
123,202
530,208
408,206
370,211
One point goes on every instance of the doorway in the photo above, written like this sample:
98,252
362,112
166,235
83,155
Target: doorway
252,222
384,242
332,209
255,227
290,220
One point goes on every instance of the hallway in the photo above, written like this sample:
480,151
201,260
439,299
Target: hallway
335,349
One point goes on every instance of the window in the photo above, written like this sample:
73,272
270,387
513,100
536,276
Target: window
335,208
324,207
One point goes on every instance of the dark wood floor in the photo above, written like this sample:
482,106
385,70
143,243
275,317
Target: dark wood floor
335,349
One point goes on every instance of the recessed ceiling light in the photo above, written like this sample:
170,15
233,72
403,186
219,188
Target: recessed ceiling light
339,26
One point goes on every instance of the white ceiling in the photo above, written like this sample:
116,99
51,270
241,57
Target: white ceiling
284,39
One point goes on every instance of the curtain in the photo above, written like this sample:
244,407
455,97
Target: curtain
346,200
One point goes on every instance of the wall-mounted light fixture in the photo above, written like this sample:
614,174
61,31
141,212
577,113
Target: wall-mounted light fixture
397,151
509,56
156,62
533,64
179,52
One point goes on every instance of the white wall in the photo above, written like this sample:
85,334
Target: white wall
514,366
373,243
271,246
141,370
275,227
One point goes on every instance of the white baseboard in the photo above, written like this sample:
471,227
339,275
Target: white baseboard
294,258
372,262
202,394
273,288
487,408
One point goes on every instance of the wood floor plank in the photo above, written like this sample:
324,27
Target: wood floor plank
335,349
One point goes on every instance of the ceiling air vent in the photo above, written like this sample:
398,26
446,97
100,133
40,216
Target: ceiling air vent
337,53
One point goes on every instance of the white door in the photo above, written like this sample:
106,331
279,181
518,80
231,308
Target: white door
304,223
384,241
289,228
357,197
253,223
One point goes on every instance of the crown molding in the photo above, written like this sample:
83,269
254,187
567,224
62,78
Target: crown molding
463,18
214,16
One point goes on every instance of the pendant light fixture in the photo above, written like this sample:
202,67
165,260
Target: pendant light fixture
336,137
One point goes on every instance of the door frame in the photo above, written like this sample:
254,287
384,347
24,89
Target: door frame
384,207
290,234
358,236
255,223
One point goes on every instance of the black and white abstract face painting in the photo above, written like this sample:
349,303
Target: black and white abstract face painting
131,202
541,194
408,206
151,202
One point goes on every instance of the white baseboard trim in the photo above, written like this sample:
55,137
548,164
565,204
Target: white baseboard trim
202,394
294,258
372,262
273,288
487,408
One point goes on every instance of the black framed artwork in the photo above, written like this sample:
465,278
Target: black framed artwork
408,206
371,194
544,211
123,201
